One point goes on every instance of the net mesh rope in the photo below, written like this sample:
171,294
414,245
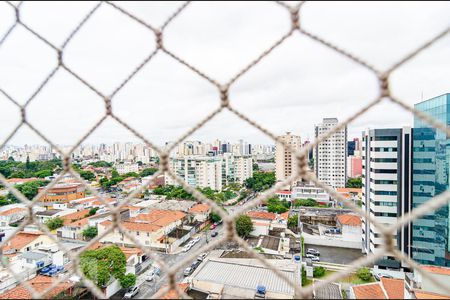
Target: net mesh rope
223,103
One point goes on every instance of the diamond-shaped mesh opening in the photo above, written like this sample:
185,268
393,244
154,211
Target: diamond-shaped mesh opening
116,222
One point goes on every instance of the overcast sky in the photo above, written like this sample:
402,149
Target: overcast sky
292,89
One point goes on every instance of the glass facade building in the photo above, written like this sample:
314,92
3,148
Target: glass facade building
431,164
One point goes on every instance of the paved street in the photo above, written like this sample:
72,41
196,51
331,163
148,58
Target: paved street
149,288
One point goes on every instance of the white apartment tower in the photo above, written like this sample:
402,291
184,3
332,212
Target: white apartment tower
284,158
330,156
386,188
210,171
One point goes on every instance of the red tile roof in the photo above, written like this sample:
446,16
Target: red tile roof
21,180
261,215
13,211
69,218
437,270
284,192
350,220
134,226
20,240
394,287
39,283
349,190
369,291
428,295
159,217
199,208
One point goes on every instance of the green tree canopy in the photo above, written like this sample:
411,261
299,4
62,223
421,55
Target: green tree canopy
99,265
260,181
305,202
214,217
244,225
354,183
28,189
54,223
364,273
128,280
87,175
90,232
277,206
101,164
293,221
148,172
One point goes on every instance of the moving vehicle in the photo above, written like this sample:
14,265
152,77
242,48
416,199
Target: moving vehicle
188,271
202,256
214,234
313,252
131,292
150,275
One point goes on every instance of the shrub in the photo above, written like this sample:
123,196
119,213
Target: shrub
364,273
318,272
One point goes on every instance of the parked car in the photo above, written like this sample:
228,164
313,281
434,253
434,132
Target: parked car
196,239
131,292
188,271
195,264
213,226
202,256
378,276
214,234
187,247
313,252
312,257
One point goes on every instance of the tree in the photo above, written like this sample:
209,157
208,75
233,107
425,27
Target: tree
364,273
28,189
354,182
99,265
114,173
93,211
87,175
293,221
90,232
54,223
128,280
214,217
260,181
305,202
276,206
318,272
244,225
255,167
148,172
43,173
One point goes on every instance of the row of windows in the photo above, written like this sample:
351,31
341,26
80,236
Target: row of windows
384,160
384,181
383,171
385,138
383,214
384,149
385,193
385,203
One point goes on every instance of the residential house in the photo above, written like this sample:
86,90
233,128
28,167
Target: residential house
387,288
12,216
25,241
73,230
350,225
200,212
40,284
262,222
166,219
148,234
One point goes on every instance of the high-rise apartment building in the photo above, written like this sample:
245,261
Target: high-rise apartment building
284,158
330,156
211,171
386,188
431,159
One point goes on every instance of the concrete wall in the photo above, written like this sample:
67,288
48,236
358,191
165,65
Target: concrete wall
325,241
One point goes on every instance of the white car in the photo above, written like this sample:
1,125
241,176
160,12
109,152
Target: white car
195,240
202,256
132,291
150,275
312,257
187,247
